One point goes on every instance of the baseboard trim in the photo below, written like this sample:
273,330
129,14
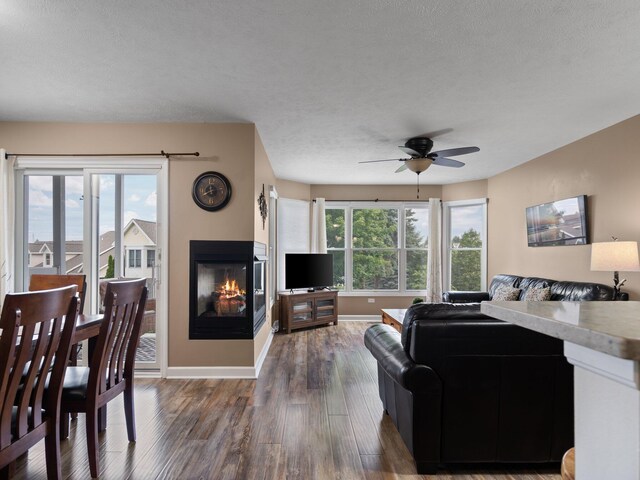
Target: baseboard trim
147,374
263,353
229,372
211,372
359,318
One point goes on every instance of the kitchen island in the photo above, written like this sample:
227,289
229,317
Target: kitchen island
602,340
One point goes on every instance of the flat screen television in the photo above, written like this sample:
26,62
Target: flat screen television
308,270
563,222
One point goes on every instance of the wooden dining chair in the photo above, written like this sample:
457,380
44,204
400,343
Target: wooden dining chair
37,331
44,281
110,371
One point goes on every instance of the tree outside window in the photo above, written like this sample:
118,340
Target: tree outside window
371,251
466,227
416,244
335,226
375,249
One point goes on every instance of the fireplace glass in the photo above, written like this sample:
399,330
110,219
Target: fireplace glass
259,289
221,290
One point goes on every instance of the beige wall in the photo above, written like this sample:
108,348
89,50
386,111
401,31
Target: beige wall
606,167
293,190
465,191
226,148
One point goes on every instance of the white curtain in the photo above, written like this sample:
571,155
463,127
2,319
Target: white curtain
434,261
7,224
318,227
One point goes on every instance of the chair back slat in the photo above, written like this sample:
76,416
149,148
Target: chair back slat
37,330
119,332
43,352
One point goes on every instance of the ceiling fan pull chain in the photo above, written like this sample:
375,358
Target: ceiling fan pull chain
418,186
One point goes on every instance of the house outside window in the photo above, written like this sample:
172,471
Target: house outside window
465,246
135,258
48,260
378,247
151,258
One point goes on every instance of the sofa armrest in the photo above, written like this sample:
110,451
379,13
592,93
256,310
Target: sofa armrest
383,341
465,297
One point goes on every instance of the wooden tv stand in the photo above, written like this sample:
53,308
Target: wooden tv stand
307,309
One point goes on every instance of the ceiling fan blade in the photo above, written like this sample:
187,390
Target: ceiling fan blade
452,152
437,133
387,160
448,162
410,151
402,168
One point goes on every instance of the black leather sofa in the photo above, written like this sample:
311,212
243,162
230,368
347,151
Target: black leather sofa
462,387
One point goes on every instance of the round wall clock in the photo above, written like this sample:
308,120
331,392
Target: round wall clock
211,191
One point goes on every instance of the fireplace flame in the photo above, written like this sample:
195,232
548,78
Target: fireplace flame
230,289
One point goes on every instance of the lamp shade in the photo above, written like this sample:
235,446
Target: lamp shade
615,256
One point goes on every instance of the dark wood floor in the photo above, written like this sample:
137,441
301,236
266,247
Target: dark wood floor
313,413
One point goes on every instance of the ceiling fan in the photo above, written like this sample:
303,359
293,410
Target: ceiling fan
421,156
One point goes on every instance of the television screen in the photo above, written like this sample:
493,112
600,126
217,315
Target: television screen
308,270
563,222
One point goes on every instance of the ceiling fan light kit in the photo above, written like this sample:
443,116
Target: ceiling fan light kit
418,165
421,156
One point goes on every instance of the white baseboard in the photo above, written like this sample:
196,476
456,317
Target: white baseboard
263,353
147,374
359,318
223,372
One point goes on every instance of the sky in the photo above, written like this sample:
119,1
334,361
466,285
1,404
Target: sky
139,202
465,218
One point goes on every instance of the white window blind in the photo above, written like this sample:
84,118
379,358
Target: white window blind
294,221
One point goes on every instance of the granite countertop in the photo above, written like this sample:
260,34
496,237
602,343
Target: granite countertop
608,327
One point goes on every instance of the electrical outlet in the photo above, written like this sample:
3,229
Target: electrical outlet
371,300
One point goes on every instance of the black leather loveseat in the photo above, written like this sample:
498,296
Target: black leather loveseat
462,387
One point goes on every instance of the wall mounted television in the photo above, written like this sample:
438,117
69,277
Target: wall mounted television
311,271
563,222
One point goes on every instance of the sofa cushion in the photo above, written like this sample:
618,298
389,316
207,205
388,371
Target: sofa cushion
503,279
436,311
506,293
533,282
536,294
581,291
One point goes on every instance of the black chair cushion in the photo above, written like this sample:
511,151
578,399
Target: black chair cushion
76,380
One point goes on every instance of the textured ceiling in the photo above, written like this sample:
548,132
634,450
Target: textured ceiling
332,83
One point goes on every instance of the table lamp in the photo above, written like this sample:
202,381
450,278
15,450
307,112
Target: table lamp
617,257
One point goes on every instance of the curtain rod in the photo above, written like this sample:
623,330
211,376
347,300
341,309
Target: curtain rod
161,154
374,200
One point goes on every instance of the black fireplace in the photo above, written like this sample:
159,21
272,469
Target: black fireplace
226,289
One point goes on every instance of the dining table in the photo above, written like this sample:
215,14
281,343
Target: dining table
87,328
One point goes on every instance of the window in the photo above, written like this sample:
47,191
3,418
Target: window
48,260
151,258
135,258
378,247
465,249
335,226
